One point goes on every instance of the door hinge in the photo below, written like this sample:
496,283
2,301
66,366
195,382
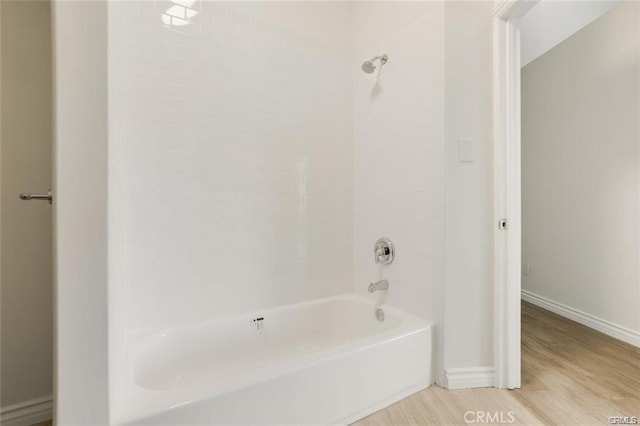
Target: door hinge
502,224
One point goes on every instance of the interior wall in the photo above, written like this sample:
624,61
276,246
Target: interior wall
231,158
399,154
80,213
26,268
469,214
581,170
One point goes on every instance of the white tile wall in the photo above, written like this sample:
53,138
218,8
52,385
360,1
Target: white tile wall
399,153
236,133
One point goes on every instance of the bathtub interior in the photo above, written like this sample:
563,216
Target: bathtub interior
228,349
231,347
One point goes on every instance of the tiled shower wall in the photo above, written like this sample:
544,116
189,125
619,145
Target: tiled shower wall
231,158
398,139
399,154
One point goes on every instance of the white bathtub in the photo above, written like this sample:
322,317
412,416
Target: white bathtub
327,361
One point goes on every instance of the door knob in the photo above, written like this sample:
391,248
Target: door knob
26,196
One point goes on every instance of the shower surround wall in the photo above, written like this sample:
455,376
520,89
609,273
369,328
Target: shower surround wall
231,156
399,154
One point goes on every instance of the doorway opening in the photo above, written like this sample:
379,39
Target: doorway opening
562,177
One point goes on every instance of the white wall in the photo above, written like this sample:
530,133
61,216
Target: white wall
80,213
26,269
581,170
398,154
550,22
469,187
231,167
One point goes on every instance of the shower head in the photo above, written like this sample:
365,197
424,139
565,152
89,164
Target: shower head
369,67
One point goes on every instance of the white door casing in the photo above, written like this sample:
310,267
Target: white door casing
507,189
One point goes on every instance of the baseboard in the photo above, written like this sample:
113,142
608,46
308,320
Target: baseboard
27,413
616,331
473,377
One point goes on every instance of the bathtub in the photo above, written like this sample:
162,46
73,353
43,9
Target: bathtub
327,361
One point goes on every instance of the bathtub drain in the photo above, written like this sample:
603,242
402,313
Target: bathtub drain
379,314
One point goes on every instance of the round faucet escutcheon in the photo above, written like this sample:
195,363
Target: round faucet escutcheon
384,252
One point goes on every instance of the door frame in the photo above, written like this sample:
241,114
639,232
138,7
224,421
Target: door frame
507,189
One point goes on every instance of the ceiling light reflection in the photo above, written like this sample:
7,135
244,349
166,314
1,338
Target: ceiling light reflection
179,14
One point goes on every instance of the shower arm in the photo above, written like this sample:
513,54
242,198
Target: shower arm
383,58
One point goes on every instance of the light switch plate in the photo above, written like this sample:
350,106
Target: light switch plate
465,151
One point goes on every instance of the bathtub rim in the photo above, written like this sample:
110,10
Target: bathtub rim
140,334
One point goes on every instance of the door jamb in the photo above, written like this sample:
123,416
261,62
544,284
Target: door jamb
507,189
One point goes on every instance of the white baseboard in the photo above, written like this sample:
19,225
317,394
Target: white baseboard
27,413
473,377
616,331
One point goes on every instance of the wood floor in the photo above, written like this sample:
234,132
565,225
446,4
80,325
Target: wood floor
571,375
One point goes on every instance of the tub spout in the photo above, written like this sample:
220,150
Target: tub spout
378,285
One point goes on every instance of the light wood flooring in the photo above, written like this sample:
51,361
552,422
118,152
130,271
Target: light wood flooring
571,375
